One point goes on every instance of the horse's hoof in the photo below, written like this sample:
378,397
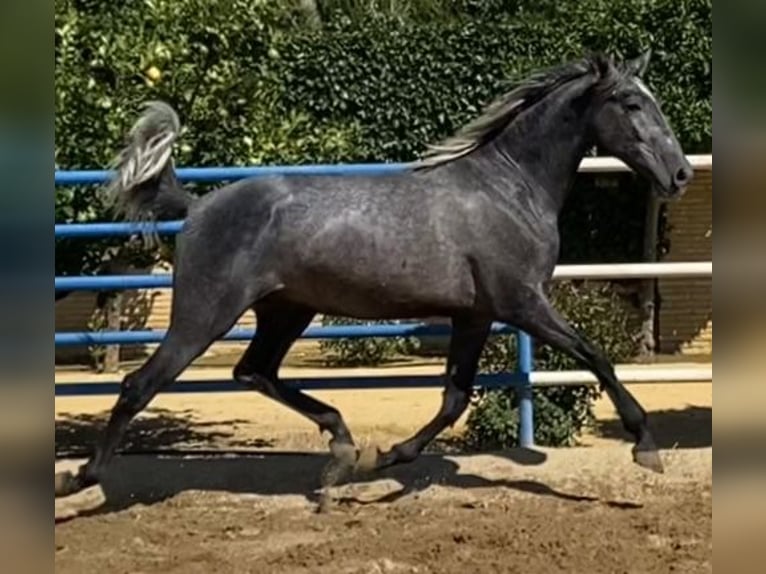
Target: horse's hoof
339,468
344,454
341,464
65,484
368,458
645,454
649,459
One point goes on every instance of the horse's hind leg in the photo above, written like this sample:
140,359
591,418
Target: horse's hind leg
466,343
278,326
195,325
537,317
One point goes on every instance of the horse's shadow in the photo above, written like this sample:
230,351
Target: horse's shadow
150,479
436,469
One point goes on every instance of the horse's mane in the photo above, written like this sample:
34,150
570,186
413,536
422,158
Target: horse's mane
507,107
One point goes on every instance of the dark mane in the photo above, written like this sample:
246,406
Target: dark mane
507,107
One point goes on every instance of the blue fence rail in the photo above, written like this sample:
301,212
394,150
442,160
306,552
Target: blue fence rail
519,378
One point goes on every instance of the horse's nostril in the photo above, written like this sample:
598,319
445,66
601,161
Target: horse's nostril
683,176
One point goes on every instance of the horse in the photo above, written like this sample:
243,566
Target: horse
468,232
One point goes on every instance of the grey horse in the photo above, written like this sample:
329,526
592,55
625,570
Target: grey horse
467,232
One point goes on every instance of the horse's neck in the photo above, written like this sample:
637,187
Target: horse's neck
548,142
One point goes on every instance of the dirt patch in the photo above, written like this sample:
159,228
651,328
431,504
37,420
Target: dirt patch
586,509
573,510
680,413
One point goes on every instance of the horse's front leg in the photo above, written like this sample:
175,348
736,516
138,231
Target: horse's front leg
537,317
467,341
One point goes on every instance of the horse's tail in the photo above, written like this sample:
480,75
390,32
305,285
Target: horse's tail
144,187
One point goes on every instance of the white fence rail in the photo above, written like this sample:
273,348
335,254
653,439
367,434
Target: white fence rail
630,374
626,374
634,270
612,164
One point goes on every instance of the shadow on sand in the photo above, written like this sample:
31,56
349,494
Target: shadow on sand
142,475
150,479
156,430
691,427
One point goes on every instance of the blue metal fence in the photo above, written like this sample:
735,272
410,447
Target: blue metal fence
519,378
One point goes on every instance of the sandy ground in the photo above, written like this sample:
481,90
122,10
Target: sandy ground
584,509
680,412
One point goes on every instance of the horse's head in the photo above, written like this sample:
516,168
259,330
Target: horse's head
627,122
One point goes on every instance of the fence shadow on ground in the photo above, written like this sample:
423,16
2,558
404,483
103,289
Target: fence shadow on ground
155,430
691,427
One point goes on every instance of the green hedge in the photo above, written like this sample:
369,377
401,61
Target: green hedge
408,84
369,351
208,58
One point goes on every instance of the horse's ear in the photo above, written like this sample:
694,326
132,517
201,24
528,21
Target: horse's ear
637,67
602,65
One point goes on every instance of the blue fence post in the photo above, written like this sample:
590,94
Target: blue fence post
526,410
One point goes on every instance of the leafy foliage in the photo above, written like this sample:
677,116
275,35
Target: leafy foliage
410,84
368,351
207,59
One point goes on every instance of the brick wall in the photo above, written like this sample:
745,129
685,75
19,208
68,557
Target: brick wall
686,305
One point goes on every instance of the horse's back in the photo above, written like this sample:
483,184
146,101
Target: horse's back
363,246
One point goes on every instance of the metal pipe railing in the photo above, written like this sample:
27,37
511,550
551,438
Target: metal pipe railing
607,271
524,378
74,338
215,174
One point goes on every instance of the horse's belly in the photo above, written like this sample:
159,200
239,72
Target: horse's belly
365,268
377,293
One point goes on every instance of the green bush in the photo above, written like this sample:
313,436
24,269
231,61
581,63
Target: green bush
561,413
369,351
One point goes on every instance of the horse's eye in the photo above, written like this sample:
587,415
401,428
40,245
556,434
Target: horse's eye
633,107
